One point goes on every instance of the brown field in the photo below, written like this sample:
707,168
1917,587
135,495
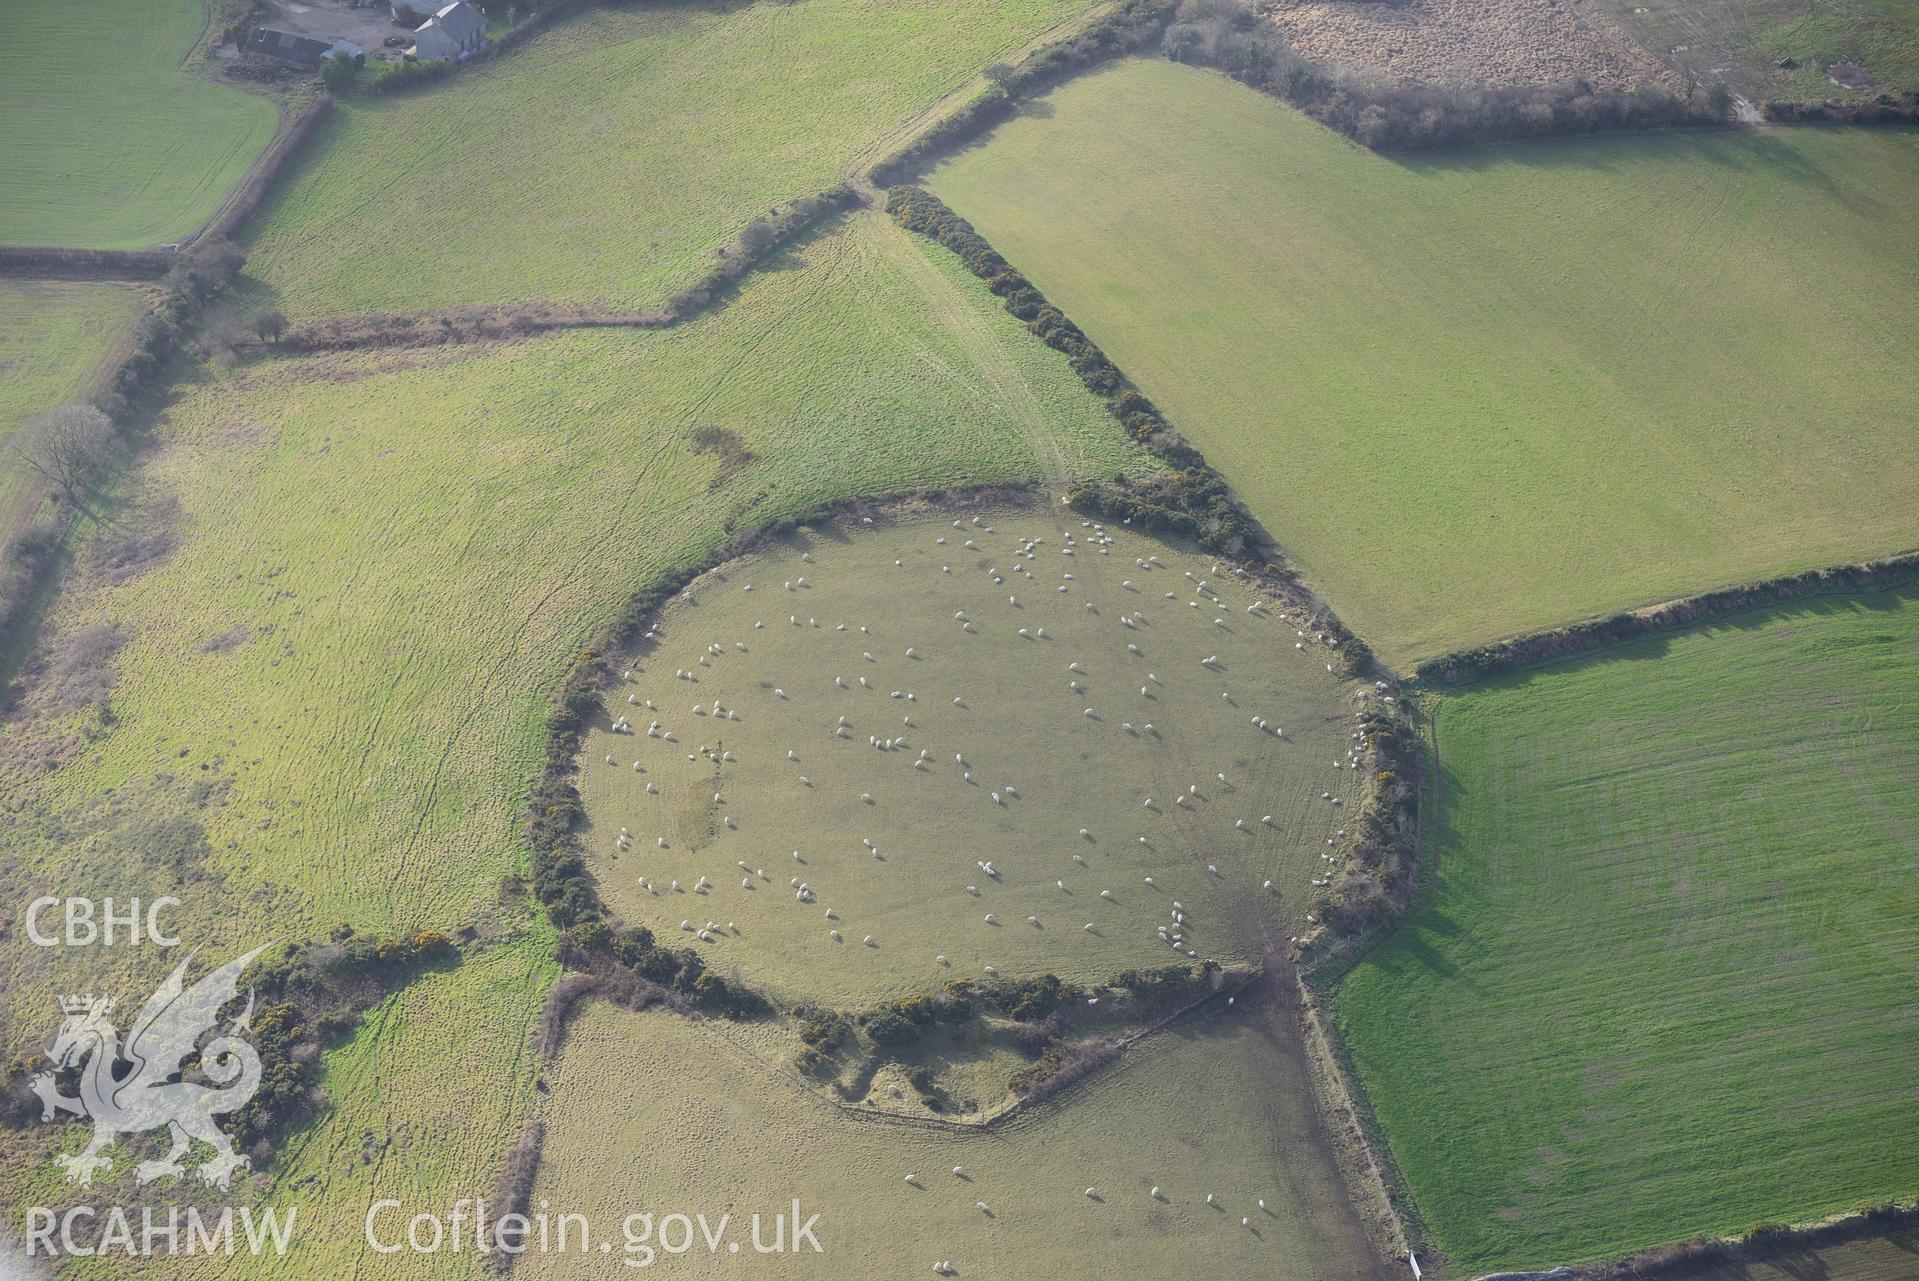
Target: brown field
653,1114
1892,1257
1491,42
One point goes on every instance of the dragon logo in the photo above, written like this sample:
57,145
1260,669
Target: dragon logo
147,1097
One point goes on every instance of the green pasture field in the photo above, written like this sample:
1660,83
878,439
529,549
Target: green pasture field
331,694
653,1113
606,160
54,338
1484,392
1664,982
109,143
862,623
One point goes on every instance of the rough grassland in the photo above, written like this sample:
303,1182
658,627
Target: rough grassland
332,693
1488,392
53,340
423,1098
1743,41
378,711
604,161
426,1095
651,1113
108,144
1880,35
1038,769
1664,984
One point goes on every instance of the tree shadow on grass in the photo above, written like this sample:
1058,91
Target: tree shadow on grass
1807,612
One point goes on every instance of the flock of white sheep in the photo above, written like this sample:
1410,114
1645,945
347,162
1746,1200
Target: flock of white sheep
866,699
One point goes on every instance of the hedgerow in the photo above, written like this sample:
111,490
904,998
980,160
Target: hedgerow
1375,110
309,997
1885,109
1490,660
1135,26
1191,499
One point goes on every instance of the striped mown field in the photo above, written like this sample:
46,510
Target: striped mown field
109,143
1664,984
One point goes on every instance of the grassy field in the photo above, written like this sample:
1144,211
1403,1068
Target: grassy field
109,144
334,638
614,153
891,840
1486,392
1880,35
1664,984
1743,42
54,337
330,695
422,1100
651,1113
426,1096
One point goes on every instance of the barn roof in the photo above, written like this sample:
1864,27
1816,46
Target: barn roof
288,46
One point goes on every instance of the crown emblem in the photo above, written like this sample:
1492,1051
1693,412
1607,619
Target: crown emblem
82,1004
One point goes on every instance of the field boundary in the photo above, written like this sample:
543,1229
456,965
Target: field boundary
1538,648
482,323
1020,1105
1763,1243
1377,112
1197,504
48,262
1901,108
259,179
1363,1144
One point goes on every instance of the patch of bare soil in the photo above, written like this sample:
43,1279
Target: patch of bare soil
1471,42
1850,75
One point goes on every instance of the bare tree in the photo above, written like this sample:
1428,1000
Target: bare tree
66,446
270,325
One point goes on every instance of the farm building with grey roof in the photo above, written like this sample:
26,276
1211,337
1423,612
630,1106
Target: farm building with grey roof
453,32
